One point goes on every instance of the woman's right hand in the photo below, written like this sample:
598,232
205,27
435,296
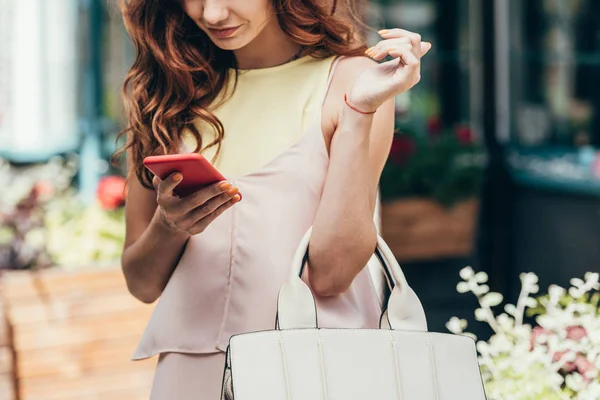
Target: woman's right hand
193,213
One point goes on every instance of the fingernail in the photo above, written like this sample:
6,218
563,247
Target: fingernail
233,191
236,198
224,186
178,177
368,50
383,31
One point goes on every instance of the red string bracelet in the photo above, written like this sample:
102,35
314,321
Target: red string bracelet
356,109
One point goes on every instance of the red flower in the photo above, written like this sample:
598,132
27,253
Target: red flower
464,135
111,192
434,126
402,148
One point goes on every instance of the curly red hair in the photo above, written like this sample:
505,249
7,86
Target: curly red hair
178,72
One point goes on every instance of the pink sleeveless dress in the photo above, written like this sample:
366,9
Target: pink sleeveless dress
228,277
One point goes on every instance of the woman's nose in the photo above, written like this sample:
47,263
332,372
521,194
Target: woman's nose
215,12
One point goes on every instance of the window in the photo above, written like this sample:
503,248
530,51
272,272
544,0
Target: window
553,96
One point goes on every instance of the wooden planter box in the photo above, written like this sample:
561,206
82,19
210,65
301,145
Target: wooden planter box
421,229
7,377
72,334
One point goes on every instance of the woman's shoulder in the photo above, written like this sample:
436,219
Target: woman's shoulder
345,74
349,68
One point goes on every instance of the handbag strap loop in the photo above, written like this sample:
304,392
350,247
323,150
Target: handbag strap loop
296,306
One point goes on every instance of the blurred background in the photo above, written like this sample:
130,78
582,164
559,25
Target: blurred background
495,165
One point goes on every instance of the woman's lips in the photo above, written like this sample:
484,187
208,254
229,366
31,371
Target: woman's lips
223,33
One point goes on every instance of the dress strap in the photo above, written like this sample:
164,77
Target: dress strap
330,77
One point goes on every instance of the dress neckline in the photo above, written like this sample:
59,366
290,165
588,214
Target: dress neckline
275,68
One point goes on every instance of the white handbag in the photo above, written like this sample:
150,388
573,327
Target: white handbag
401,361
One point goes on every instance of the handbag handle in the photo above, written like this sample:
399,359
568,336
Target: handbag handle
296,306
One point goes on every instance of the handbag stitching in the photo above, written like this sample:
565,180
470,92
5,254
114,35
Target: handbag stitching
285,367
397,366
433,367
356,330
324,387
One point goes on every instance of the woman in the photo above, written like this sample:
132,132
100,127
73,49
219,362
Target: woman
279,95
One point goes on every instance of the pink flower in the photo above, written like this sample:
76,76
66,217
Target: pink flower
111,192
584,366
535,333
568,366
576,333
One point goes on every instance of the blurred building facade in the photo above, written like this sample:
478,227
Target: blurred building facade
547,125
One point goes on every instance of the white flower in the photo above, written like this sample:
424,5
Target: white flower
556,291
576,282
505,322
482,314
510,309
528,278
531,302
575,382
491,299
467,273
481,277
463,287
576,292
592,280
456,325
480,290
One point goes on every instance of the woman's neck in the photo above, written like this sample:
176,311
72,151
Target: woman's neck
270,48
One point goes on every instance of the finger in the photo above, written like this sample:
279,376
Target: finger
407,58
382,49
211,205
394,52
201,225
379,55
425,47
155,182
398,33
166,186
386,45
205,194
414,38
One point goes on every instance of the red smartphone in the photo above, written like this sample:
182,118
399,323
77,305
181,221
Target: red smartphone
197,171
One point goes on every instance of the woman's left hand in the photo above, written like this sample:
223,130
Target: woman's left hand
381,82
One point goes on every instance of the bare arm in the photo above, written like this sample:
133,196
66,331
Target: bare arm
344,234
152,248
